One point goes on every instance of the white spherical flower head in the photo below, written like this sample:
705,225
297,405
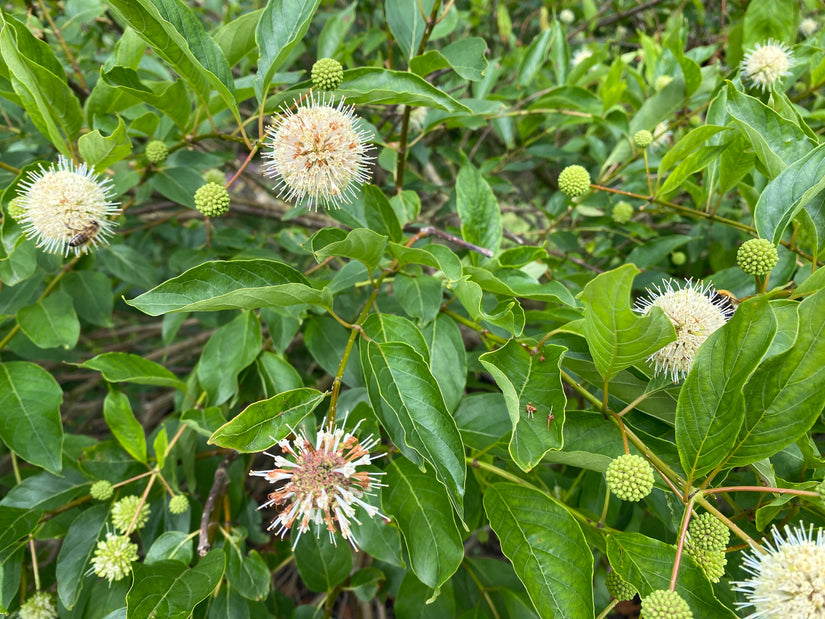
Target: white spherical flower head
580,56
787,576
323,485
695,312
766,64
318,154
67,208
807,27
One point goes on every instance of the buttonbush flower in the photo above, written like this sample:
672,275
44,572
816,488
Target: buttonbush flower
123,513
766,64
212,199
113,557
807,27
574,181
101,490
787,577
619,588
317,154
66,208
40,605
695,312
664,604
156,152
580,56
323,485
629,477
327,74
757,257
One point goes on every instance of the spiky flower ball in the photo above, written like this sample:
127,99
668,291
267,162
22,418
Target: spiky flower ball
757,257
327,74
67,208
15,210
214,176
643,138
708,532
619,588
318,154
178,504
766,64
212,200
695,311
156,152
113,557
678,258
712,562
629,477
566,16
101,490
787,575
622,212
580,56
807,27
40,605
664,604
126,510
574,181
322,483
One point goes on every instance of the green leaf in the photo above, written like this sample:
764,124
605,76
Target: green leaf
30,424
237,38
248,575
276,374
435,256
656,249
321,564
777,19
379,214
170,545
10,572
282,26
390,328
121,367
534,57
121,421
335,30
478,209
690,68
326,341
52,322
377,537
234,284
230,349
408,402
160,446
694,162
546,547
507,315
448,359
465,57
420,296
46,491
517,283
178,184
129,265
788,193
407,22
76,552
785,396
171,590
372,85
101,152
172,99
15,526
262,424
710,409
686,145
175,34
204,421
91,292
532,389
422,509
361,244
482,419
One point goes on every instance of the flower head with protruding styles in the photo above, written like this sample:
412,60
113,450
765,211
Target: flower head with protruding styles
67,208
695,312
322,483
113,557
807,27
787,576
40,605
766,64
317,154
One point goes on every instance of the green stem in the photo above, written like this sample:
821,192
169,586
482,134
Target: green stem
611,606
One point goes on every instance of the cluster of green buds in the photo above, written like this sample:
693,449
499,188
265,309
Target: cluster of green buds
629,477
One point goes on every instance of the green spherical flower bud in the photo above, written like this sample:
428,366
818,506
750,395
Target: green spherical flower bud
757,257
101,490
41,605
712,562
123,513
630,477
574,181
663,604
678,258
643,138
662,81
214,176
15,209
708,532
113,557
212,200
178,504
619,588
156,152
622,212
327,74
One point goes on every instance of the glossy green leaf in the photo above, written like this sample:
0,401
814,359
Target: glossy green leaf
281,27
51,322
546,547
534,57
178,184
776,20
377,537
616,336
478,209
696,161
10,572
686,145
248,575
237,38
128,264
690,68
656,250
30,424
532,389
91,293
126,429
379,214
409,404
262,424
517,283
710,409
419,296
407,22
230,349
322,564
482,419
204,421
448,359
326,341
360,244
334,33
507,315
421,507
100,152
785,396
15,525
465,57
383,328
234,284
45,491
121,367
276,374
171,590
383,86
170,545
76,552
171,98
435,256
161,446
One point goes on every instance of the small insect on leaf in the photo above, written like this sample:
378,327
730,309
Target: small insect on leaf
530,410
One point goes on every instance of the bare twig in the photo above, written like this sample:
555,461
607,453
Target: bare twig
221,479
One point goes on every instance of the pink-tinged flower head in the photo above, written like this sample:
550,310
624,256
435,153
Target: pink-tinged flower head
318,154
67,208
321,483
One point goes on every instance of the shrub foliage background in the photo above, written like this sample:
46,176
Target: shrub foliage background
461,308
